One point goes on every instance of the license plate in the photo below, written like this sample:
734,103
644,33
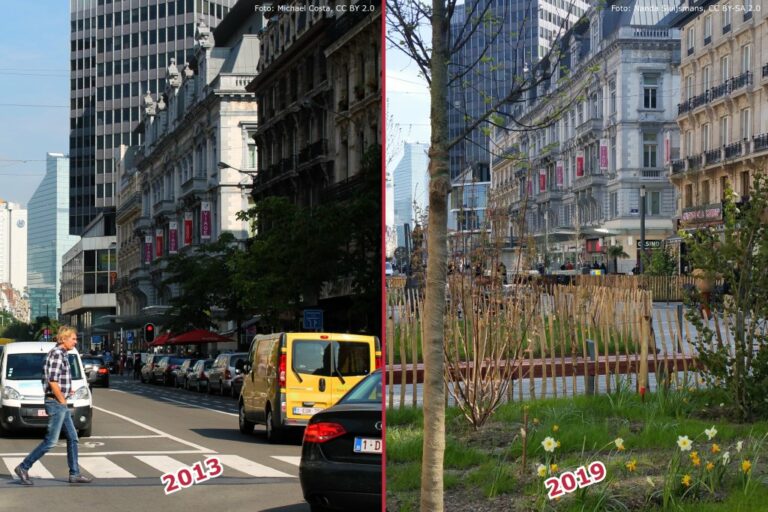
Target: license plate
41,412
367,445
306,411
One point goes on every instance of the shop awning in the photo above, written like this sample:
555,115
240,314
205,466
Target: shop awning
198,336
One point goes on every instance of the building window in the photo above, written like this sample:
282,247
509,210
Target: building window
653,205
650,148
746,58
612,96
708,29
595,35
723,186
746,123
747,10
705,192
745,183
614,204
725,68
689,143
689,87
726,18
691,39
688,195
705,137
705,74
650,91
725,134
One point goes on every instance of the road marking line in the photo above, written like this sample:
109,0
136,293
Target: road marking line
162,463
156,431
197,406
101,467
134,452
249,467
293,460
36,471
127,437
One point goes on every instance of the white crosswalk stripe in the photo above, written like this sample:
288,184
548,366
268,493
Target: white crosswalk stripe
36,471
249,467
288,459
102,467
107,468
162,463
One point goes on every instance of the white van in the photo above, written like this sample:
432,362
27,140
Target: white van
21,388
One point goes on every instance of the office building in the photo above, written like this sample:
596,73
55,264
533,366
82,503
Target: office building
119,52
48,237
13,245
410,184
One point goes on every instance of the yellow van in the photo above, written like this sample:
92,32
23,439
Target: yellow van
290,376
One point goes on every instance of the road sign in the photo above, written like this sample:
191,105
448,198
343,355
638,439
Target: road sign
96,339
313,319
129,337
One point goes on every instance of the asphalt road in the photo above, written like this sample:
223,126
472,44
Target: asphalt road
142,431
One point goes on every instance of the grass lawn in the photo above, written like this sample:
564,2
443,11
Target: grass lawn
484,470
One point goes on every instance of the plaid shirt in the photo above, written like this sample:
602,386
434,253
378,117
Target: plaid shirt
56,369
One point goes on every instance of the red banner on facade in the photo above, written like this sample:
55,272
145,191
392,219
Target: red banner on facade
205,220
173,237
559,173
148,249
667,149
530,188
542,179
159,243
187,228
603,154
579,164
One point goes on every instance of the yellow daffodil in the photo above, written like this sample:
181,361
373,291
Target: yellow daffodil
549,444
711,432
619,442
535,421
746,466
558,444
555,428
694,454
710,466
631,465
541,470
553,468
696,461
686,480
715,448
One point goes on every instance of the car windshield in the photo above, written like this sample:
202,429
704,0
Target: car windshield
30,366
314,357
367,391
93,360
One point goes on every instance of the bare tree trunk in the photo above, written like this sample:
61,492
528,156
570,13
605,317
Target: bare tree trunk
434,327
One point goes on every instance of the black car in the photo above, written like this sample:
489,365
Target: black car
340,465
182,372
96,370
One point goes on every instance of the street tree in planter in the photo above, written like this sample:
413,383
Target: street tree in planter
428,33
738,255
615,252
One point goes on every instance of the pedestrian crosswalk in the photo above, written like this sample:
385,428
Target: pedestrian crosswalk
153,466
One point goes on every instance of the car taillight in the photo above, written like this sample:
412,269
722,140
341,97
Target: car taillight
322,432
282,370
227,374
378,361
103,370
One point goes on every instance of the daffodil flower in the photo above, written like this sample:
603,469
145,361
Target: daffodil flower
684,443
739,446
631,465
715,448
549,444
710,466
686,480
711,432
619,442
555,428
726,457
541,469
746,466
553,468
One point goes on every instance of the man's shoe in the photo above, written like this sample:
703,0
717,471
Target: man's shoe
23,475
79,479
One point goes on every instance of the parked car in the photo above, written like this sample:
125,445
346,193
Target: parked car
21,382
198,377
181,373
163,371
340,466
237,384
290,376
149,367
96,370
223,371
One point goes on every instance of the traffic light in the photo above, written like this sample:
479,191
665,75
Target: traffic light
149,332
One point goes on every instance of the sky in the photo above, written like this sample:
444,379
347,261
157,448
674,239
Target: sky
407,111
34,43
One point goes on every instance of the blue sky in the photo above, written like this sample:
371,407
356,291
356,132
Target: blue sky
34,70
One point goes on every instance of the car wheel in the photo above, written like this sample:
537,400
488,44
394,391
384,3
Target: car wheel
246,427
274,434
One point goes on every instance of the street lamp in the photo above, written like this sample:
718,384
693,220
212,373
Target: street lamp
642,227
224,165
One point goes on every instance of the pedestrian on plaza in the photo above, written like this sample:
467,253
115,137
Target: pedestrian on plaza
121,363
603,268
569,265
57,384
136,366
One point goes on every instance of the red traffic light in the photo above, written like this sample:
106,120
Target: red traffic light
150,327
149,332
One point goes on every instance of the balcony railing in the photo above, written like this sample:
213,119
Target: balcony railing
726,28
683,107
678,166
765,71
760,142
733,150
699,100
742,80
719,90
694,162
712,156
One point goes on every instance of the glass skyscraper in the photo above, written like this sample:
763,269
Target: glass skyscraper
410,182
120,49
48,237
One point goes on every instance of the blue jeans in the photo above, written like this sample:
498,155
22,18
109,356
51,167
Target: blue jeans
58,416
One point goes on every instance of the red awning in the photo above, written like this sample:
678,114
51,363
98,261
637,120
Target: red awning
198,336
161,340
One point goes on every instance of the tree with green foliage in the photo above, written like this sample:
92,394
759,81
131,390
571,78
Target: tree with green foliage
615,252
739,256
661,262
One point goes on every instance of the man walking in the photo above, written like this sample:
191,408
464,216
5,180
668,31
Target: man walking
57,383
